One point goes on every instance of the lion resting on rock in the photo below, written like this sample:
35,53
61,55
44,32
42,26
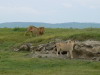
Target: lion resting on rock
66,46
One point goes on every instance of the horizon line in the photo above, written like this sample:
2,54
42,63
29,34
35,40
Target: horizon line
46,22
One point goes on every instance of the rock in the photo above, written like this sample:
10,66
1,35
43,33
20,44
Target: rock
24,47
41,47
96,58
88,48
84,50
50,46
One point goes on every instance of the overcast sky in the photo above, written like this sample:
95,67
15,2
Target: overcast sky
50,11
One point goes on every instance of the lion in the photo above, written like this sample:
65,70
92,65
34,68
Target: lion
41,30
35,30
66,46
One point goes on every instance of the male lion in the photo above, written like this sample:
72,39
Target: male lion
65,46
35,30
41,30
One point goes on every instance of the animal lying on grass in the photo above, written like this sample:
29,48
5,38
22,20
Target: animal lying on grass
34,30
66,46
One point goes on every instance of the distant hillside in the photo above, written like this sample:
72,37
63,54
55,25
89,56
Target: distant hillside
49,25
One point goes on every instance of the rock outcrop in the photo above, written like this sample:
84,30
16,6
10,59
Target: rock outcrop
88,49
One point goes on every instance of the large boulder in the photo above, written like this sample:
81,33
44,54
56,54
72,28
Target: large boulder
87,49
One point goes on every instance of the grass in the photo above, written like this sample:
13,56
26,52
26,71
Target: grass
14,63
17,63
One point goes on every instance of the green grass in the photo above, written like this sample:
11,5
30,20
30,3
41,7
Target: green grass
17,63
16,36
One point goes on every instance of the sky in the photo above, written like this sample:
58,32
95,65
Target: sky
50,11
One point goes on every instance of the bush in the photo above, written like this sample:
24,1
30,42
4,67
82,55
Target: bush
19,29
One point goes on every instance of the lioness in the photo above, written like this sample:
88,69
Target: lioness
65,46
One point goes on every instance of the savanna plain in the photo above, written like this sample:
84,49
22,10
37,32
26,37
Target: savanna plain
17,63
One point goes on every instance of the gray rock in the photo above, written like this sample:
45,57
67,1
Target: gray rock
24,47
86,50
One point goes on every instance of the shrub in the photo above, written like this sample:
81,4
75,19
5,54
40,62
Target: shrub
19,29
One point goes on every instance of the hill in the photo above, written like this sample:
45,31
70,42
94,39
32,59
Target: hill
49,25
